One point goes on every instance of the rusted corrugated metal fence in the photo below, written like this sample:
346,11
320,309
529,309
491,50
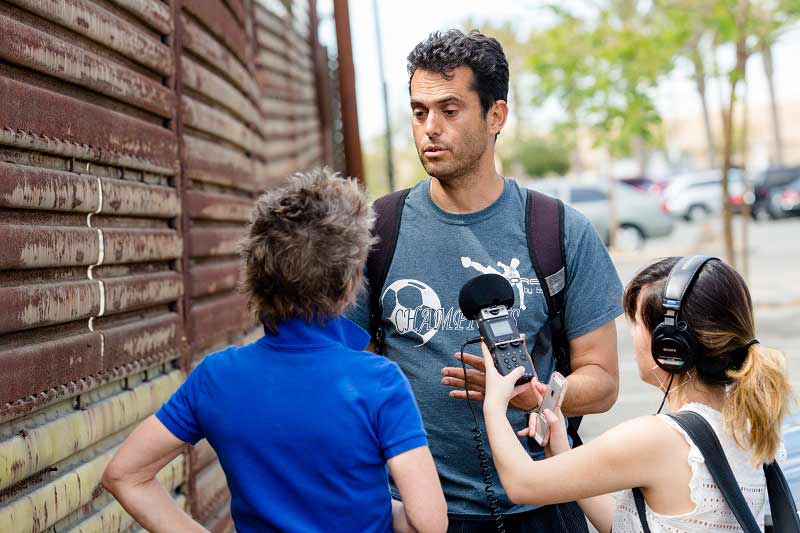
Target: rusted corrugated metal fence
134,137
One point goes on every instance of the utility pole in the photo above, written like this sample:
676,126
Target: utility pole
379,47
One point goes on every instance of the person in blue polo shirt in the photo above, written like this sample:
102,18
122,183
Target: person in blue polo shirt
303,420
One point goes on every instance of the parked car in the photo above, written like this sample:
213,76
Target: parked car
645,184
640,214
696,195
765,184
785,201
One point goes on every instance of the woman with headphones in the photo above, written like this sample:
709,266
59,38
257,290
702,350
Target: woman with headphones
694,339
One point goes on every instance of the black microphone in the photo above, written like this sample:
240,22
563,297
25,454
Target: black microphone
486,290
487,299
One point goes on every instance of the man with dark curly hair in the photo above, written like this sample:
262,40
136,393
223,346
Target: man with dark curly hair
467,219
304,422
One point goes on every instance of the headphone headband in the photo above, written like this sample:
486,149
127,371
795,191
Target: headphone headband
681,278
673,346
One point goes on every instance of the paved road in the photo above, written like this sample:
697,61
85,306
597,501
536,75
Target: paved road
775,285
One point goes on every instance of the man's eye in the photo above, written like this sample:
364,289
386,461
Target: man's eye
450,112
419,114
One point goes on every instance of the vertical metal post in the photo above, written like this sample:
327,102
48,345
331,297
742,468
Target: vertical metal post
347,89
320,59
379,46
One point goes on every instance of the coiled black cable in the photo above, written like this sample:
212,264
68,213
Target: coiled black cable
483,457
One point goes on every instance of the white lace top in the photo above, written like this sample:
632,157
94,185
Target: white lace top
711,513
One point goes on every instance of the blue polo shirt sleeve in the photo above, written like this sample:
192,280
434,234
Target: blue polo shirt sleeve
179,413
399,422
593,291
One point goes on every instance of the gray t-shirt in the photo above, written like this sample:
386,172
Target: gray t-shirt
437,252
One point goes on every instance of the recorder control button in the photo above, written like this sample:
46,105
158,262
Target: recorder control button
503,346
523,357
508,367
515,343
514,359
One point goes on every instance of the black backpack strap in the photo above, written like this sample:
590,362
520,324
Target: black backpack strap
544,230
703,436
638,499
781,503
388,214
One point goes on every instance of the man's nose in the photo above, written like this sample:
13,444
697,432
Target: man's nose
433,125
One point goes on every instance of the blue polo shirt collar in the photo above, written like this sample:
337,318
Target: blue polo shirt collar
297,334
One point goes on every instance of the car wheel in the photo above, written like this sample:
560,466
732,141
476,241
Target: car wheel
698,212
630,237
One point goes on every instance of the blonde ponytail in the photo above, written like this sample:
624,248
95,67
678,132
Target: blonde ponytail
757,402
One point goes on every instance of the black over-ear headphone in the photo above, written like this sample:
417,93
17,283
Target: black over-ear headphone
673,345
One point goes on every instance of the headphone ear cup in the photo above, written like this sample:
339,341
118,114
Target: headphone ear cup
672,349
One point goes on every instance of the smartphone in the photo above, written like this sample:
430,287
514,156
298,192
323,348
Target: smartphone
553,397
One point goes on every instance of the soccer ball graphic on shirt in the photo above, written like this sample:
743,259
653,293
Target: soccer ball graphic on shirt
414,307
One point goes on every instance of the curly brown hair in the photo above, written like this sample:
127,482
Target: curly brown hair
305,253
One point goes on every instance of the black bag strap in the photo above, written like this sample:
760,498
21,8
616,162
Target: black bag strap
638,499
781,502
388,215
704,437
544,230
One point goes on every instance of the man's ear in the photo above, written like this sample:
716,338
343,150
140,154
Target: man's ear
496,116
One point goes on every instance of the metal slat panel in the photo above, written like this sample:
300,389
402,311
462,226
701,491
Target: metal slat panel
220,21
39,447
43,507
214,163
215,206
202,80
53,123
207,48
98,24
212,278
154,13
51,55
219,124
27,187
215,241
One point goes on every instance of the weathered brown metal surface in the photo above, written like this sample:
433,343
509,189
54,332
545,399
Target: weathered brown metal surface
38,50
53,123
98,24
154,13
140,135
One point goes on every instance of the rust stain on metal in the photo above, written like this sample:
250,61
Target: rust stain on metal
212,241
215,122
89,19
35,188
42,305
219,20
42,119
214,277
204,45
211,162
153,12
213,206
134,292
36,246
24,455
34,365
131,246
148,338
202,80
127,198
73,490
38,50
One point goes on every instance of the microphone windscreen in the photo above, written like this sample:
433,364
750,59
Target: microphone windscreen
486,290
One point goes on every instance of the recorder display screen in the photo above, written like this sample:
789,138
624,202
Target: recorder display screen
501,327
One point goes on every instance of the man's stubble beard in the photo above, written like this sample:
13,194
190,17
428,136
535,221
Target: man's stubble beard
463,163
